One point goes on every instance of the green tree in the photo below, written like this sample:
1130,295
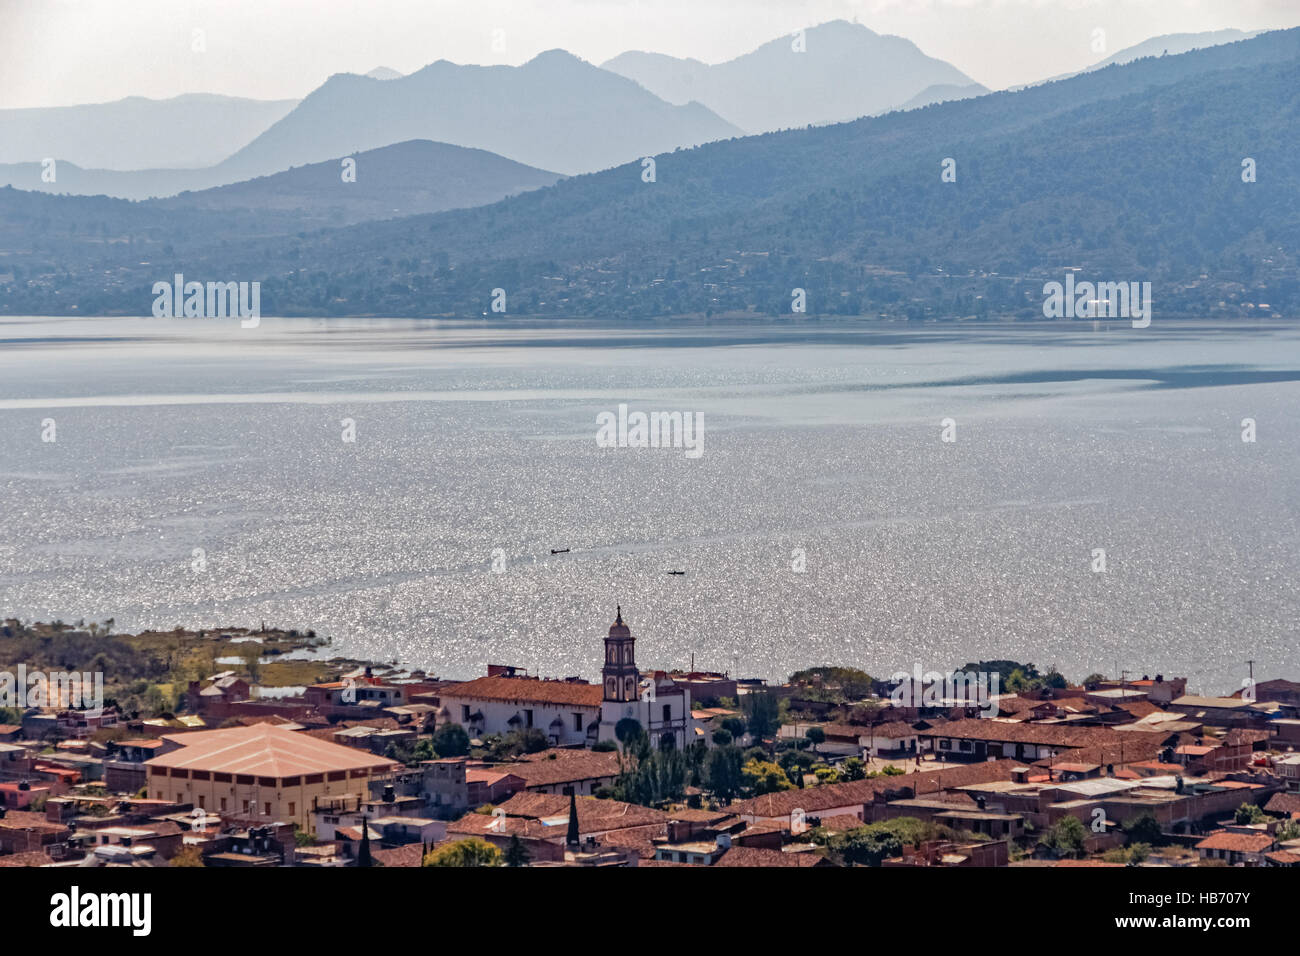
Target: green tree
1142,828
762,713
853,769
765,777
724,772
816,736
451,740
1066,837
867,846
516,854
735,725
468,852
1249,813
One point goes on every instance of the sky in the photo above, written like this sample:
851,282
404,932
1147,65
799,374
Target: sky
63,52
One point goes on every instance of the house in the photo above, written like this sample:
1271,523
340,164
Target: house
541,822
551,771
215,694
1284,804
854,798
1215,711
978,739
22,832
261,773
124,767
946,853
1236,847
14,760
756,857
446,784
1276,691
706,687
488,784
1158,691
1288,769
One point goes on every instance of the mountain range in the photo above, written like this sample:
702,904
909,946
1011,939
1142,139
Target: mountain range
555,112
1132,172
829,73
137,133
400,180
1170,44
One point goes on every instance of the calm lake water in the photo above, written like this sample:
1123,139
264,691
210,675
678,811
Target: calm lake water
475,446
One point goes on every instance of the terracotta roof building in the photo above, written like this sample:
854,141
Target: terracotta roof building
260,774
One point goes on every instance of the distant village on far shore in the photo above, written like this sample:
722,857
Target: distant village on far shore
243,747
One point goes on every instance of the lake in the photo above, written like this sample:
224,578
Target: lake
199,475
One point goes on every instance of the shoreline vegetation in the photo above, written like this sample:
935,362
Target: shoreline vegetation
150,671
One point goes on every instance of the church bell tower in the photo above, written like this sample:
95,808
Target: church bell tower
621,677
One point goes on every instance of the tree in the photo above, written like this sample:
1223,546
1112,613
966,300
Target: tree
451,740
627,731
510,746
468,852
1066,837
817,736
515,854
867,846
1142,828
843,683
722,737
763,714
853,769
187,856
766,777
653,778
724,773
1249,813
735,726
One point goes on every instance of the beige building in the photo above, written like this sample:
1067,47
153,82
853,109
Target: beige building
260,774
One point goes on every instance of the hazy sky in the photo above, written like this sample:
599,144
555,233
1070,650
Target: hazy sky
59,52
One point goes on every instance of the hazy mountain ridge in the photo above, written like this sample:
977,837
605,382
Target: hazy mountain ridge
564,113
137,133
1132,172
399,180
1171,44
554,112
846,71
943,93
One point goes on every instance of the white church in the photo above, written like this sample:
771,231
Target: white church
575,713
662,708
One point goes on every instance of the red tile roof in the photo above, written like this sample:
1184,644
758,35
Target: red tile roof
34,858
264,750
1283,803
550,768
528,690
756,857
410,855
546,815
1237,842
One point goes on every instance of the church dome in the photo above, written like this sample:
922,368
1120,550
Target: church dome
618,628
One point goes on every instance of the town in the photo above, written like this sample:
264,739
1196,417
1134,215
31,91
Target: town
380,766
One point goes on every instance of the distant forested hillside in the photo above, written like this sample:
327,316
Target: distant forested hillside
1132,172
